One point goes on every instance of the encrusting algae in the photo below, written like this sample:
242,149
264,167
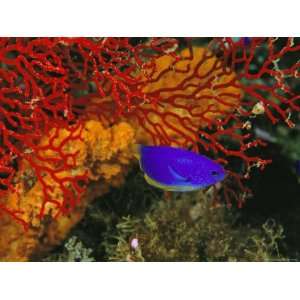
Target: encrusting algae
105,153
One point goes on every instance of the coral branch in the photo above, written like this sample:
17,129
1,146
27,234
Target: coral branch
200,98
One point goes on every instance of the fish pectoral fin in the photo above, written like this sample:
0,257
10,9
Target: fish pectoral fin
178,176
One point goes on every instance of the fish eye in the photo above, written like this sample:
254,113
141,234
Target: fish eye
214,173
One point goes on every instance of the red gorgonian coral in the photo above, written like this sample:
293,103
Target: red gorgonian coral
54,83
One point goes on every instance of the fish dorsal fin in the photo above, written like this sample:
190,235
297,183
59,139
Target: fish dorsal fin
177,176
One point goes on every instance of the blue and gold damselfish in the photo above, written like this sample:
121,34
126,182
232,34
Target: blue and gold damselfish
177,169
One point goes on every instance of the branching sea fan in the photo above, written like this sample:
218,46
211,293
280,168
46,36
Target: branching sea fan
165,91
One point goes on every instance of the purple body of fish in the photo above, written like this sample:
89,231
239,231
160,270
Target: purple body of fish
179,169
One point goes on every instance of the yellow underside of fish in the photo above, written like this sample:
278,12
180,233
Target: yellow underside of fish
173,188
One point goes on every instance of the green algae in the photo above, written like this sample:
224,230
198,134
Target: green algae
184,228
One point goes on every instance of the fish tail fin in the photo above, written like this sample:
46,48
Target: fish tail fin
136,149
